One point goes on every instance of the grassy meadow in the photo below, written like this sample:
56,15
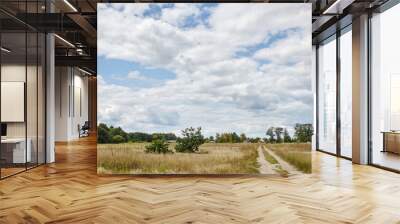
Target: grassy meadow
212,158
120,152
296,154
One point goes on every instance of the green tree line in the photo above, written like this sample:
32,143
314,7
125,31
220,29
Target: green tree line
302,133
110,134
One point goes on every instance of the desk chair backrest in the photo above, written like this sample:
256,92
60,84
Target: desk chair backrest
86,126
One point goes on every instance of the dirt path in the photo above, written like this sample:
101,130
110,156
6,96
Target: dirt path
265,167
285,165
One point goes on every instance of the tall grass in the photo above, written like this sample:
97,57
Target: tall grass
297,154
276,166
269,157
213,158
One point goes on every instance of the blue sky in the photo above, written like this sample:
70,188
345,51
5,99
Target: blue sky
116,71
225,67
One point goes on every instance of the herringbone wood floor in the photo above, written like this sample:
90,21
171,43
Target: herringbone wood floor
69,191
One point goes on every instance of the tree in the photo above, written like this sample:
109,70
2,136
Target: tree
139,137
235,137
243,137
228,137
117,139
191,140
106,134
271,134
303,132
254,140
166,136
211,138
286,136
158,146
278,134
118,131
217,138
102,134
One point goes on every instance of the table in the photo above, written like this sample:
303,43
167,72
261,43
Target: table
391,141
13,150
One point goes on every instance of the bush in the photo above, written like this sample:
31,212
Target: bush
110,134
117,139
158,146
191,141
139,137
118,131
102,134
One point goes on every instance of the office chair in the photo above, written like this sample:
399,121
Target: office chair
84,130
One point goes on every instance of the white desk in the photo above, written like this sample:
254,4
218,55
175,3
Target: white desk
19,155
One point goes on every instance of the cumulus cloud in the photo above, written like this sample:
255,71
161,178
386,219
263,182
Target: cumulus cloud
295,48
178,14
213,87
135,75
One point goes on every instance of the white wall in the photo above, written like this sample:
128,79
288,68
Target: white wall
33,126
80,100
10,73
62,82
71,94
16,73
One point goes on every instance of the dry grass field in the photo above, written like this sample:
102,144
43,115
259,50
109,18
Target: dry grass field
297,154
213,158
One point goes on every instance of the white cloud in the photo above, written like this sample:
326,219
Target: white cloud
135,75
294,48
212,85
177,15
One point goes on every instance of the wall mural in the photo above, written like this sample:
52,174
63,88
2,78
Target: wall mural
204,88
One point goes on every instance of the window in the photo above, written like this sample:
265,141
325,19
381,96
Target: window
327,96
385,89
22,89
346,93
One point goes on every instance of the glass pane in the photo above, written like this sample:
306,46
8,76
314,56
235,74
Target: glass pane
346,94
32,90
314,86
22,89
13,86
31,98
327,96
386,89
